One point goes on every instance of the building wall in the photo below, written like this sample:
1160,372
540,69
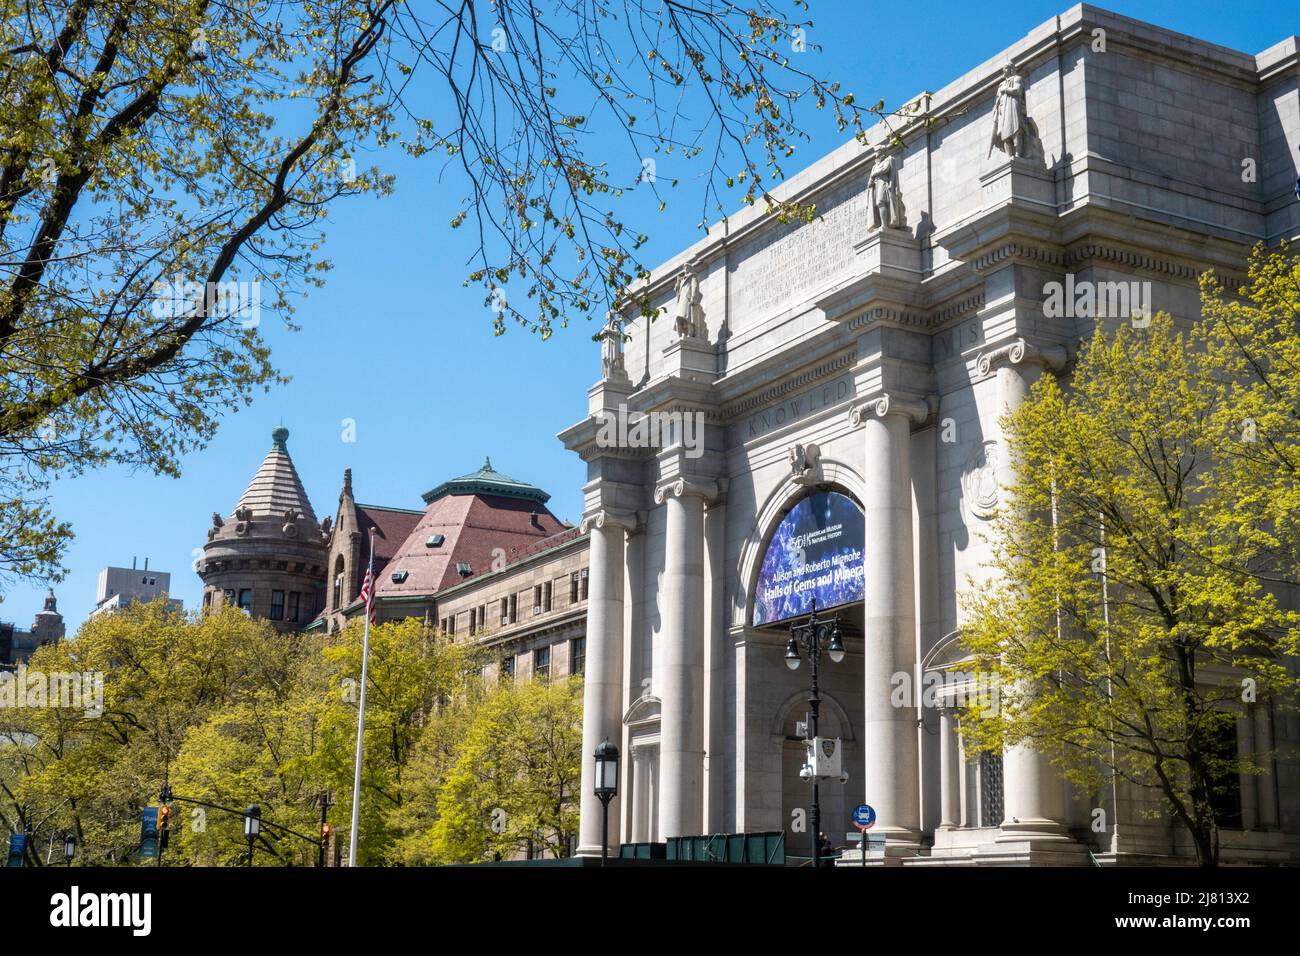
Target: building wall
1133,172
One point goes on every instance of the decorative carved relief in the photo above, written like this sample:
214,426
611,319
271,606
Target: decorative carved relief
805,463
979,481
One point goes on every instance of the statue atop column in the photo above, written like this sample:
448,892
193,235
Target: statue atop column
688,311
611,347
886,199
1010,120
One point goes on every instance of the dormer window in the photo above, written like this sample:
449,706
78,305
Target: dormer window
400,576
435,541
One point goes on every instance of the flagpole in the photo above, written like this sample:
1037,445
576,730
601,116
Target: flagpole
361,709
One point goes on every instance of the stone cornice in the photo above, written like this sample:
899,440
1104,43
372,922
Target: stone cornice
683,486
793,383
1085,253
1019,252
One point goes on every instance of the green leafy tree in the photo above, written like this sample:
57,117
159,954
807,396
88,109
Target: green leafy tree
514,781
90,771
1140,595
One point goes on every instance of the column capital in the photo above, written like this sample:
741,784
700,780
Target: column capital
884,403
603,517
1022,352
683,486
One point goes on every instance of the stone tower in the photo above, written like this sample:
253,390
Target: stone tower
268,556
48,626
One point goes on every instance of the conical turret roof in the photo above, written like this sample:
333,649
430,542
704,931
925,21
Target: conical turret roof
276,487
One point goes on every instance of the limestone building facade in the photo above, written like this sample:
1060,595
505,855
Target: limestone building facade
829,357
483,560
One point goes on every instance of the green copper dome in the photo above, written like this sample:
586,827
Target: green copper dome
487,481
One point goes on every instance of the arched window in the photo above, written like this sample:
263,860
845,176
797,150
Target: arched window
338,584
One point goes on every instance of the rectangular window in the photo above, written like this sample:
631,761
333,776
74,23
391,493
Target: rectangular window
573,588
482,615
578,655
473,619
537,599
277,605
508,666
294,607
546,596
246,600
542,663
1225,785
229,597
514,608
584,584
505,612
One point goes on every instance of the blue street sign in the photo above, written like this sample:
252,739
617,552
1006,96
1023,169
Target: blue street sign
149,833
17,843
864,817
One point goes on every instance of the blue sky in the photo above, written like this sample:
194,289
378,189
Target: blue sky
394,342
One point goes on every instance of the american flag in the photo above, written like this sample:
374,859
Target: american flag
367,596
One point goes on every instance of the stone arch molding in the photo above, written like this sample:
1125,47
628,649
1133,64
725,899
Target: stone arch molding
833,472
828,703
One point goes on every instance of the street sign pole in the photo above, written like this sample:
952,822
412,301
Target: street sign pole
864,818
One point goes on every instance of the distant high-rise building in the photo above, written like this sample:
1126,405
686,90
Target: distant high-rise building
119,587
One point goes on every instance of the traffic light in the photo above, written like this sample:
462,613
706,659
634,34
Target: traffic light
164,815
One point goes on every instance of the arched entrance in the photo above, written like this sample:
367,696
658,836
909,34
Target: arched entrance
810,556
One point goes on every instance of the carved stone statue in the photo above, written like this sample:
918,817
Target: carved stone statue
688,313
217,520
290,527
1009,118
886,200
244,520
611,347
803,463
326,526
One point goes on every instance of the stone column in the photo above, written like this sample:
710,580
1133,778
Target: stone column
1033,792
1246,781
891,783
950,775
637,761
1266,782
679,677
602,698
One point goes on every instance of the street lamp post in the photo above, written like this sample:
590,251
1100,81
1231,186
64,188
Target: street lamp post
69,848
252,827
606,789
815,635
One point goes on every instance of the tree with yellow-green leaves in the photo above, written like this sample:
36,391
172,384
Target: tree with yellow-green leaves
164,675
512,784
1145,571
231,713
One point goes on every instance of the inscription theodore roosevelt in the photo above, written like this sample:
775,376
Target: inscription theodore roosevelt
794,259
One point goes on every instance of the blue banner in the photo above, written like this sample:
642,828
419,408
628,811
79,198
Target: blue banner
815,554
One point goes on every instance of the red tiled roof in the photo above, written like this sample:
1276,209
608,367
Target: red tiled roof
393,526
477,529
